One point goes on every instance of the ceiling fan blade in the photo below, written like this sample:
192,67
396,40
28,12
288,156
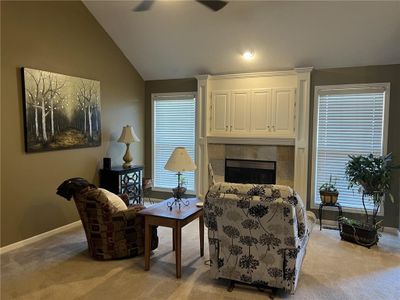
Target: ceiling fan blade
213,5
144,5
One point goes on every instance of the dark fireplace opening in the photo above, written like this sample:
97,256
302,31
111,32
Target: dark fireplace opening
250,171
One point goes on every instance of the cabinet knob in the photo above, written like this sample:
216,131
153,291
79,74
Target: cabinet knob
226,127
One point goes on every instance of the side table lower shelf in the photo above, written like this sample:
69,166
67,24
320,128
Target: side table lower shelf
321,206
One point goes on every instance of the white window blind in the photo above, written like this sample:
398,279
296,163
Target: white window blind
173,126
348,122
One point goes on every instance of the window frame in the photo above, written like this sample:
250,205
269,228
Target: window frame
344,88
172,96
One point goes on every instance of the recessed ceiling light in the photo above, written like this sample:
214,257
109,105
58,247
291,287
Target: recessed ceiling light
248,55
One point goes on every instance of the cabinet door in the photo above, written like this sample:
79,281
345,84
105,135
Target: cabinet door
260,117
220,112
283,111
240,111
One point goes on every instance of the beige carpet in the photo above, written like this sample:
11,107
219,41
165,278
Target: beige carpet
59,268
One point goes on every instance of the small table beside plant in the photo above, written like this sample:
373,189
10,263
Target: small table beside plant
161,215
329,195
321,206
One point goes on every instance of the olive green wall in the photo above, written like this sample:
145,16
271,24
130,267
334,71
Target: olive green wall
62,37
161,86
370,74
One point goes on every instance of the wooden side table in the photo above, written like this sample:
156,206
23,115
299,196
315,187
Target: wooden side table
321,206
160,215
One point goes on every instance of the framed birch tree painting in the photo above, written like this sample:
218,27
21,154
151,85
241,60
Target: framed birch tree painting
61,112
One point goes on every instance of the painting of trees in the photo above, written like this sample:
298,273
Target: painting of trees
61,111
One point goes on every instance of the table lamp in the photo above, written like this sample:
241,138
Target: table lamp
179,162
127,137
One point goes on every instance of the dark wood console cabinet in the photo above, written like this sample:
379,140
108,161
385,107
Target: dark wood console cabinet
123,181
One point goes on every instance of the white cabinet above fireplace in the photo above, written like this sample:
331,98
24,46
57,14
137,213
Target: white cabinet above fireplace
260,112
264,108
282,111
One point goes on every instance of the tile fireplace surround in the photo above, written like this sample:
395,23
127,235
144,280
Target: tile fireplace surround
283,155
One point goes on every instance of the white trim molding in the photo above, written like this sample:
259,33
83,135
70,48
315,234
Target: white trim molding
273,141
250,75
391,230
294,71
38,237
201,136
302,116
345,88
170,96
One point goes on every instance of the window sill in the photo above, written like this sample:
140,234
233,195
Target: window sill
169,190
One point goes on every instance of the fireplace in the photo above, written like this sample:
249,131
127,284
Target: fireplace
250,171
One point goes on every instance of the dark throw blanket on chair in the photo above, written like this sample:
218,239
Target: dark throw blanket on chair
72,186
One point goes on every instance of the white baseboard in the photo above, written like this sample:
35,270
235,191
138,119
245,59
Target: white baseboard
330,223
334,224
391,230
38,237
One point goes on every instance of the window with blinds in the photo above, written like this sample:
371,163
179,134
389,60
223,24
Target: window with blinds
173,126
350,121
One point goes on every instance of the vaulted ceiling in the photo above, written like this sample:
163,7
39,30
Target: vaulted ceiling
178,39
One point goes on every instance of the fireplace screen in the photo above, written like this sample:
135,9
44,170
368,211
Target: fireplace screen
250,171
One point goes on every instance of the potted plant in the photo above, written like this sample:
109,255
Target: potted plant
328,192
372,175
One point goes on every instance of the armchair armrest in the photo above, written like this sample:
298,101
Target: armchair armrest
125,218
129,224
125,198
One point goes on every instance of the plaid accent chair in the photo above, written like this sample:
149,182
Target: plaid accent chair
111,235
257,234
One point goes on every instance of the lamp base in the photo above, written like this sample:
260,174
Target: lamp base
127,165
177,202
127,158
178,192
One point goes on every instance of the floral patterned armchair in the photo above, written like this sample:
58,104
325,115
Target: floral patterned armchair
257,233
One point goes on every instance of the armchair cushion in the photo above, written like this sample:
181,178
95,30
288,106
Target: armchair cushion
115,202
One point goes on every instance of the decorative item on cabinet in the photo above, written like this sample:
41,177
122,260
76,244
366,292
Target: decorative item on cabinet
107,163
147,186
127,137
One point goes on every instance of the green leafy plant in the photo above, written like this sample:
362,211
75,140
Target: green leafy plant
372,174
183,181
329,187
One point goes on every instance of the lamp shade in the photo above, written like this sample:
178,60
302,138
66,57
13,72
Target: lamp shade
128,135
180,161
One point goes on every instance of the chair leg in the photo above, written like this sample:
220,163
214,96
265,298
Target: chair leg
274,292
231,286
320,216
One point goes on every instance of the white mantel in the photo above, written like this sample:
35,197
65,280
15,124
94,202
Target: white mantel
298,79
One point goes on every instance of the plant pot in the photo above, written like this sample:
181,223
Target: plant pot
178,192
329,197
360,235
